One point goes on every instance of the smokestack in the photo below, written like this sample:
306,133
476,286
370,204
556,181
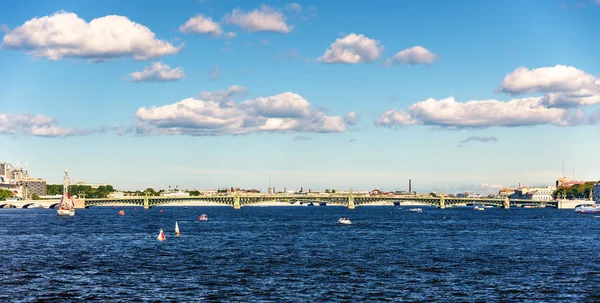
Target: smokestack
409,186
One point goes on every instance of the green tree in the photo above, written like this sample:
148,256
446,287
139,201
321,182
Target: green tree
194,193
35,197
5,194
577,191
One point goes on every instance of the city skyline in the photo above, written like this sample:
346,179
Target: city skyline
212,94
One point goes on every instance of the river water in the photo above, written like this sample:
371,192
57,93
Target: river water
299,254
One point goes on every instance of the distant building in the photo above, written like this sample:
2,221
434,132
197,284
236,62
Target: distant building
175,193
34,186
596,193
566,182
6,172
505,192
467,194
116,194
534,193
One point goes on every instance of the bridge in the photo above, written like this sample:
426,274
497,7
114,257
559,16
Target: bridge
237,201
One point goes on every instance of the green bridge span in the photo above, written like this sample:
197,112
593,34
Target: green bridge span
350,201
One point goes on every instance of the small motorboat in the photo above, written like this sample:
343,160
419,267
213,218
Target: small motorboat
122,212
416,210
203,217
161,236
344,221
478,208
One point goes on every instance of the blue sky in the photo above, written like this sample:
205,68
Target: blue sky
314,93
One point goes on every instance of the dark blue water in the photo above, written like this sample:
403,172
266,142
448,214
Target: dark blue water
299,254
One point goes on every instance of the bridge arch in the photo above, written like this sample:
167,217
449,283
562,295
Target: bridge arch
32,205
7,205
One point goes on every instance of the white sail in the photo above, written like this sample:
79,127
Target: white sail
176,229
67,205
161,235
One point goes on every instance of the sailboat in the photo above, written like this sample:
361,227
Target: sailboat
176,229
67,205
161,236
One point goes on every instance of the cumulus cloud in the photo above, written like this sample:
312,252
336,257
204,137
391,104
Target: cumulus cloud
449,113
562,86
38,125
265,19
478,139
285,113
65,35
301,138
201,25
353,49
564,90
414,56
157,72
351,118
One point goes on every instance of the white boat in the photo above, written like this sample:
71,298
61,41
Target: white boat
588,208
176,229
161,236
344,221
416,210
478,208
203,217
488,206
67,205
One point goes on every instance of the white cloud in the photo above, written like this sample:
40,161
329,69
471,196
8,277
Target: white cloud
563,86
565,91
223,95
64,35
414,56
287,113
158,72
38,125
265,19
351,118
296,8
353,49
201,25
449,113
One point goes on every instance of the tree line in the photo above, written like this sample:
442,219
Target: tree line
577,191
81,190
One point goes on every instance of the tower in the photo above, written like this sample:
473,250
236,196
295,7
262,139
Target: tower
409,186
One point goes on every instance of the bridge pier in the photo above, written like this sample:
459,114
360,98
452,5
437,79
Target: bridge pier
506,203
236,201
146,202
442,202
351,201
